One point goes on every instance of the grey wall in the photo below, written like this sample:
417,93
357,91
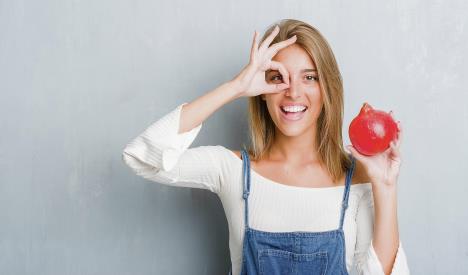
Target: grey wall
81,78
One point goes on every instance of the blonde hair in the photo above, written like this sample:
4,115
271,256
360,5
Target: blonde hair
329,123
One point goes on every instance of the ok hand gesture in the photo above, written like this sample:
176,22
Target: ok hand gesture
251,79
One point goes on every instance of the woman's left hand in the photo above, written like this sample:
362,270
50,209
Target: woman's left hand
382,168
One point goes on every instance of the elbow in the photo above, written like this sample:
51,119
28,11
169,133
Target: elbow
129,159
129,156
125,157
135,166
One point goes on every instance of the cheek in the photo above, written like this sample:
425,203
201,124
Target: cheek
315,96
271,103
271,109
315,99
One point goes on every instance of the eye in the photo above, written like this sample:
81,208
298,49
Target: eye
274,77
312,77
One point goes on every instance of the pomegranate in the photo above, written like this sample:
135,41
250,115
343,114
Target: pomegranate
371,131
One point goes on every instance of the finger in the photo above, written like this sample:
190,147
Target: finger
396,140
275,88
356,154
398,137
270,38
275,65
400,133
394,150
275,48
254,48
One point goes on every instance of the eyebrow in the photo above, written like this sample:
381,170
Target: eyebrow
302,71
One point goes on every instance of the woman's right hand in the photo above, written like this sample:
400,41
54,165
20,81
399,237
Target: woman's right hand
251,80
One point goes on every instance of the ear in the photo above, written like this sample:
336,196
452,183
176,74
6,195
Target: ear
262,96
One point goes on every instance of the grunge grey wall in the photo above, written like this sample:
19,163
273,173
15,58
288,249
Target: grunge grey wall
79,79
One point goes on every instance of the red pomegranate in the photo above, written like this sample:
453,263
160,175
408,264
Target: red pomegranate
371,131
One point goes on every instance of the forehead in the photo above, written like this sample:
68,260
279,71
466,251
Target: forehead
294,57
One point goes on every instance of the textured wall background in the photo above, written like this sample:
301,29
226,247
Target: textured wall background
80,78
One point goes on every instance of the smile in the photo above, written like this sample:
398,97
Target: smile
292,113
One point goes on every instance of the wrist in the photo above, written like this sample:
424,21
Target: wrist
233,87
384,191
236,87
387,184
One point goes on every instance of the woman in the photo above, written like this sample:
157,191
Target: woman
295,201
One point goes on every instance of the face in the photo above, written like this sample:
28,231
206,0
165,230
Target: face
286,108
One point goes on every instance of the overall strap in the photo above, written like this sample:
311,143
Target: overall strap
246,184
344,204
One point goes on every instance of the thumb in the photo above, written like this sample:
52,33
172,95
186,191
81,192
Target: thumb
355,153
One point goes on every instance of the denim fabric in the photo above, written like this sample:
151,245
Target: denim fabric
297,252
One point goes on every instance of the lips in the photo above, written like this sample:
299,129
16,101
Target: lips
292,116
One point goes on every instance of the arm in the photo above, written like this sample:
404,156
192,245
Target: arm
248,83
199,110
386,237
382,171
365,256
161,153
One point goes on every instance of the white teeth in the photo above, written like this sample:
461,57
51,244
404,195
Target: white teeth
293,109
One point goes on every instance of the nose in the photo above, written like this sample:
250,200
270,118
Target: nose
293,90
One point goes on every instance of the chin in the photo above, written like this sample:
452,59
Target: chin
292,131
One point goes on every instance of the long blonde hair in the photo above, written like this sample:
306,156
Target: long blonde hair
329,124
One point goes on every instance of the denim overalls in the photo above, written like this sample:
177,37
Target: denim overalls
298,252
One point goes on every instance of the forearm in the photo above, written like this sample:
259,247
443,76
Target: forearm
197,111
386,235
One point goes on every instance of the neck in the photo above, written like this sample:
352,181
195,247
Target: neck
294,149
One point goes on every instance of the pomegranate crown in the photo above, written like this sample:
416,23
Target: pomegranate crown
366,107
